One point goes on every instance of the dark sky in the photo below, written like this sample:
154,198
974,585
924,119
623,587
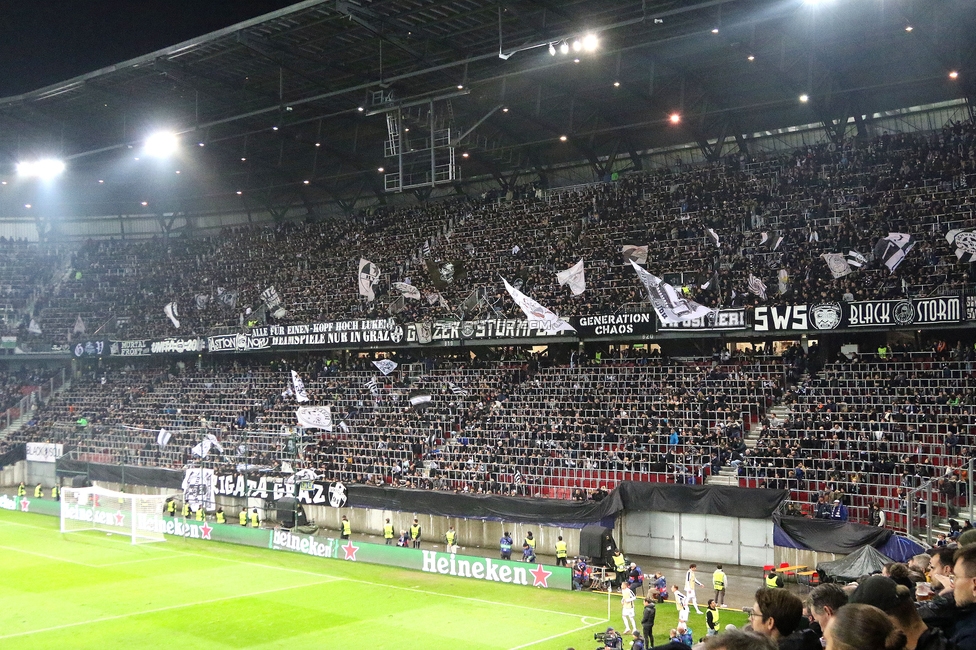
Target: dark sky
46,41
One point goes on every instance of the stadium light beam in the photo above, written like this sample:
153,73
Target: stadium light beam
161,144
590,42
44,169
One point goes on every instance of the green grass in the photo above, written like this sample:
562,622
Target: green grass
93,590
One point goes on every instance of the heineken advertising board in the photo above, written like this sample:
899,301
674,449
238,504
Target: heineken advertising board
427,561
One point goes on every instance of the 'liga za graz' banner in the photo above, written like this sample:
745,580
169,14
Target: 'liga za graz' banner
272,488
941,310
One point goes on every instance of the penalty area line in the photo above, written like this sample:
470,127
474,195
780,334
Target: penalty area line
156,610
556,636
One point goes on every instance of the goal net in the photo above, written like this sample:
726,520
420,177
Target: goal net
139,516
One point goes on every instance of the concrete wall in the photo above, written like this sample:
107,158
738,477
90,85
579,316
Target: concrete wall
809,559
707,538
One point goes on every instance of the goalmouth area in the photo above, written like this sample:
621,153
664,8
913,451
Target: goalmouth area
94,589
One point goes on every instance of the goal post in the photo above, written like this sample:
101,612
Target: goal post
139,516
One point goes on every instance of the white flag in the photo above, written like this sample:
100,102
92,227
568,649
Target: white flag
838,264
893,249
756,286
386,366
634,253
202,448
315,417
784,281
669,305
536,312
271,297
163,438
372,386
80,325
299,386
574,277
369,275
214,442
714,236
515,249
407,290
964,241
172,312
34,328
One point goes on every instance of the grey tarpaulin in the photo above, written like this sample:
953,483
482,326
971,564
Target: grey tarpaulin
128,474
831,536
861,562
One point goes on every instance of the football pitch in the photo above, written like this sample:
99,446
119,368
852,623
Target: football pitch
94,590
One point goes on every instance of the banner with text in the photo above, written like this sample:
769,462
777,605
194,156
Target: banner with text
941,310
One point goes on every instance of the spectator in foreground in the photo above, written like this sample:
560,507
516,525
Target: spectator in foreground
824,602
739,640
776,614
862,627
895,600
964,589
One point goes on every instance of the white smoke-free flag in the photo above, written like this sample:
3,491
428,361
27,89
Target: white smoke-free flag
163,438
172,312
669,305
386,366
299,386
34,328
536,312
369,275
80,325
573,276
315,417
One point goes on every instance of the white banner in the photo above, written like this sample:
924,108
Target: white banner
536,312
198,488
837,264
44,452
575,277
315,417
164,437
407,290
633,253
669,305
172,312
369,275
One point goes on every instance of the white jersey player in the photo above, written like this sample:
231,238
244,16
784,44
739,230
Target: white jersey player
690,582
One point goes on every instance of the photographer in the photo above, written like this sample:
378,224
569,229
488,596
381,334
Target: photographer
611,640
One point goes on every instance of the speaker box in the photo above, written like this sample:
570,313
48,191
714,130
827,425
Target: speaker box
596,542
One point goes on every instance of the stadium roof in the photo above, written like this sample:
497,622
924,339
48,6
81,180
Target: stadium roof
292,106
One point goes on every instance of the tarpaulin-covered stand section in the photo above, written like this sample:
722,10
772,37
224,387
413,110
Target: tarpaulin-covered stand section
16,453
126,474
864,561
830,536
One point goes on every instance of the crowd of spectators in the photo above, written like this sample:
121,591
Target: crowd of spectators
822,198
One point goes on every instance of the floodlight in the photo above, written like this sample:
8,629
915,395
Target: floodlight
590,42
715,30
953,75
577,45
804,98
161,144
751,57
675,118
44,169
552,50
562,138
564,47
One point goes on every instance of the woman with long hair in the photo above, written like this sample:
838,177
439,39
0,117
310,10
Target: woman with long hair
862,627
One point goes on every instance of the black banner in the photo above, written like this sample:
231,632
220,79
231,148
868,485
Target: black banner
91,349
716,321
337,334
480,330
940,310
137,348
614,325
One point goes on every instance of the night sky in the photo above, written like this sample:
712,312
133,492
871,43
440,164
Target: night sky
48,41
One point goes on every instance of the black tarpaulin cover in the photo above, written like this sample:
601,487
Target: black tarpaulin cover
831,536
722,500
861,562
129,474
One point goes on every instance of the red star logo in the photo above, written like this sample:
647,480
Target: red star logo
540,577
205,530
24,505
350,550
119,518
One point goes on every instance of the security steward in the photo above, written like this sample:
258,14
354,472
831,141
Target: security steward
415,534
451,538
38,491
220,516
561,552
719,581
388,533
186,509
774,581
171,507
619,567
255,521
346,528
56,493
201,515
243,516
22,490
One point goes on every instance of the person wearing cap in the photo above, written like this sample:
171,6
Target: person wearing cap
638,643
612,640
896,602
839,511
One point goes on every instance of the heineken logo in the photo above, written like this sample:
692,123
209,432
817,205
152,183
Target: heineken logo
484,569
173,526
82,513
350,550
284,540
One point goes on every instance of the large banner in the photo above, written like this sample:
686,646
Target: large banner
718,320
313,335
484,330
272,488
91,349
136,348
941,310
44,452
615,325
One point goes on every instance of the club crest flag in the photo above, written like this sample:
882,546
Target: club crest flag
173,313
369,275
315,417
837,263
299,387
893,249
574,277
536,312
634,253
668,304
965,243
407,290
445,273
386,366
228,298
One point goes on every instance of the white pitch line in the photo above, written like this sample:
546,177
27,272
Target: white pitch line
49,557
160,609
556,636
